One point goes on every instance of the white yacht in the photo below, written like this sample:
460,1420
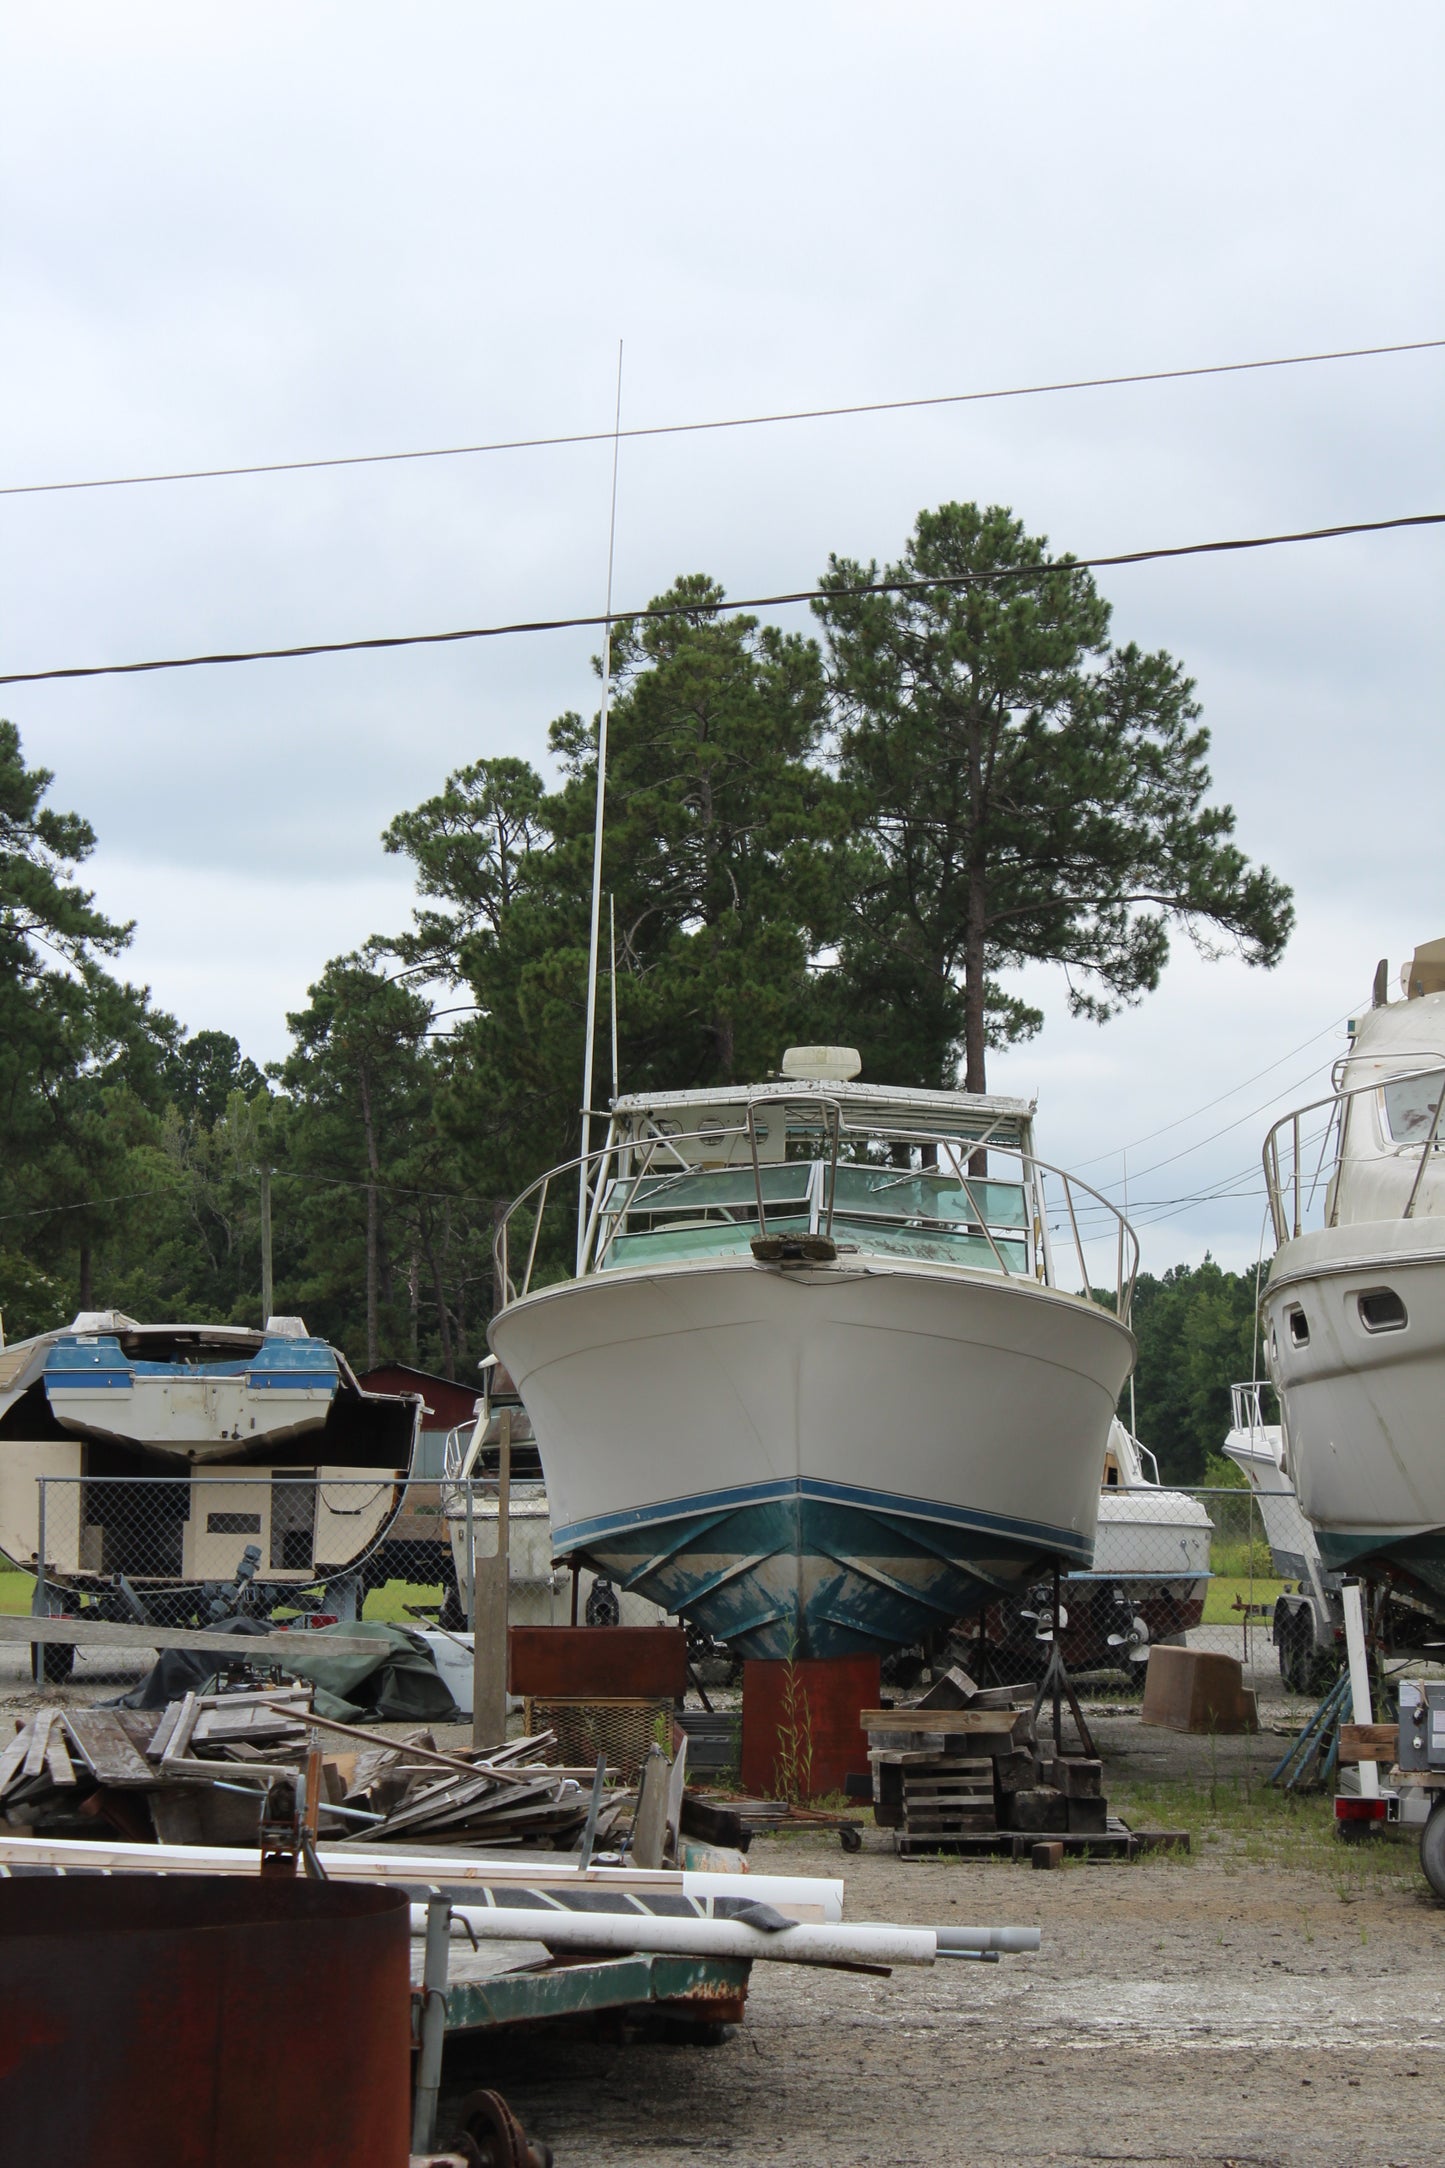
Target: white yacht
1355,1305
837,1362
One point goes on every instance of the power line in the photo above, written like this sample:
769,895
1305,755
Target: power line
713,609
735,421
86,1204
1218,1100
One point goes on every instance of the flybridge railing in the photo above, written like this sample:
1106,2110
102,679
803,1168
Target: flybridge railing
850,1186
1286,1145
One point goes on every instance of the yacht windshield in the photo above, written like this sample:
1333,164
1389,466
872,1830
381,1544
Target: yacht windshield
1410,1107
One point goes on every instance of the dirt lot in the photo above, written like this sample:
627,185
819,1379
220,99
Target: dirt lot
1273,1998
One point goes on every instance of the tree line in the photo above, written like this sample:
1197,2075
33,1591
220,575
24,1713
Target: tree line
852,836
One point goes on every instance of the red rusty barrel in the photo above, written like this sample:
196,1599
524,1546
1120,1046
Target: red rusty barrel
204,2021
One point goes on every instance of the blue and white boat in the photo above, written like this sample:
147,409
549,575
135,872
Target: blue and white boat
152,1455
834,1368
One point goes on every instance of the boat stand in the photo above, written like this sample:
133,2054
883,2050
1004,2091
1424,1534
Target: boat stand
1056,1686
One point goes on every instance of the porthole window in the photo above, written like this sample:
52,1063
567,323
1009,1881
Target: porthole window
1299,1328
1381,1310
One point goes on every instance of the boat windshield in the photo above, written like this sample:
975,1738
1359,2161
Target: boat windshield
1410,1106
816,1177
947,1218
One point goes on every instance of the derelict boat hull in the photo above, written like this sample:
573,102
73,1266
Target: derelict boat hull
823,1460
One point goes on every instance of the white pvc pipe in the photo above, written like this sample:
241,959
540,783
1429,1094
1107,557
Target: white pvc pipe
833,1944
817,1898
1359,1678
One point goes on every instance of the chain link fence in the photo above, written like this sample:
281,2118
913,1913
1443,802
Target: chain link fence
273,1547
1193,1566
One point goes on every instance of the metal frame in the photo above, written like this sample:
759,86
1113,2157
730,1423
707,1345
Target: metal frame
1284,1190
613,1175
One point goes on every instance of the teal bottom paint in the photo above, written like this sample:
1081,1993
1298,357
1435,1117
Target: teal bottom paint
1358,1550
804,1576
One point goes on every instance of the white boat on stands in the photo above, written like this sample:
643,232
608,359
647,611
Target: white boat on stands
1147,1581
832,1370
539,1593
1355,1305
150,1462
1307,1618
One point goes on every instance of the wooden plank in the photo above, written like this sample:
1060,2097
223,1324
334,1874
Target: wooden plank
13,1757
408,1750
57,1758
161,1736
106,1748
279,1648
946,1720
180,1736
1368,1742
39,1741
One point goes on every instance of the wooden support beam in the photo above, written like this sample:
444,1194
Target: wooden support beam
277,1648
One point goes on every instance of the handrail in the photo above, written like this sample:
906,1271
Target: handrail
612,1201
1288,1225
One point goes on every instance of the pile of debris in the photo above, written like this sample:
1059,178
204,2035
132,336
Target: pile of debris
209,1767
963,1770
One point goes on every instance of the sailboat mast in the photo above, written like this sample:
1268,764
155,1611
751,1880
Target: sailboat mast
596,924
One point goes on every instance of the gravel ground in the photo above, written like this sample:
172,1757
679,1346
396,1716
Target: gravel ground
1209,2010
1274,1997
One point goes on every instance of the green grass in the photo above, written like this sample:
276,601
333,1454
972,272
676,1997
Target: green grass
1222,1591
383,1603
1237,1818
15,1590
389,1603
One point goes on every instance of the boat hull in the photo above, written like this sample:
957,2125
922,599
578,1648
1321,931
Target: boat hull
823,1461
1364,1412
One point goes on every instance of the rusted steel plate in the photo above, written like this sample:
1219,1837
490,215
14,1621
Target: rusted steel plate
610,1662
205,2022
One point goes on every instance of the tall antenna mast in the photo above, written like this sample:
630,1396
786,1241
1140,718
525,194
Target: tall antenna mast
1133,1412
596,926
612,983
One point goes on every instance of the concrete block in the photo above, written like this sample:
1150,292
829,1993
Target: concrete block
1197,1690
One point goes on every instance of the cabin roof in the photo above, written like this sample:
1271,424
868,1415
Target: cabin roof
901,1105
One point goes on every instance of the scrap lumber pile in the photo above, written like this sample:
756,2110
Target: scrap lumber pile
962,1770
201,1770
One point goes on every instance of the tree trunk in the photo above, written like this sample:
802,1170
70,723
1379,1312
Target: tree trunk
444,1323
373,1230
372,1355
87,1288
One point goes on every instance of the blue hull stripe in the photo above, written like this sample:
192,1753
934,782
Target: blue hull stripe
1037,1535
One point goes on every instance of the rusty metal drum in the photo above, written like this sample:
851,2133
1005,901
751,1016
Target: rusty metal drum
207,2022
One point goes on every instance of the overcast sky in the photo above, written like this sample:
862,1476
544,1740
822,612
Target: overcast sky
294,231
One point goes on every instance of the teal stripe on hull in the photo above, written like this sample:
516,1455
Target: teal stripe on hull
801,1575
1356,1551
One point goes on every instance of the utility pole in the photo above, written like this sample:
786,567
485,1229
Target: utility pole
267,1289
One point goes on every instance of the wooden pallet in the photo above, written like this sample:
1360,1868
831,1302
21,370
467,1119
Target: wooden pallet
947,1796
1117,1842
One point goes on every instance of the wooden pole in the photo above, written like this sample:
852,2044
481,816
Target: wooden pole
489,1626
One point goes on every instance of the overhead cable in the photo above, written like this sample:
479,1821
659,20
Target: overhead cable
715,609
735,421
1218,1100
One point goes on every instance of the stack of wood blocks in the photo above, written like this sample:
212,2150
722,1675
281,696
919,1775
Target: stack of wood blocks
962,1770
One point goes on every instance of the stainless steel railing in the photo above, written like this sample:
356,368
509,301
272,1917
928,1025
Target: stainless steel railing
615,1182
1286,1144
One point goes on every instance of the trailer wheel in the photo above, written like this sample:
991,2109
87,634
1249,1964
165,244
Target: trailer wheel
1432,1848
51,1662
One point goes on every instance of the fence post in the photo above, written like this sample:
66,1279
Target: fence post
471,1561
40,1601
